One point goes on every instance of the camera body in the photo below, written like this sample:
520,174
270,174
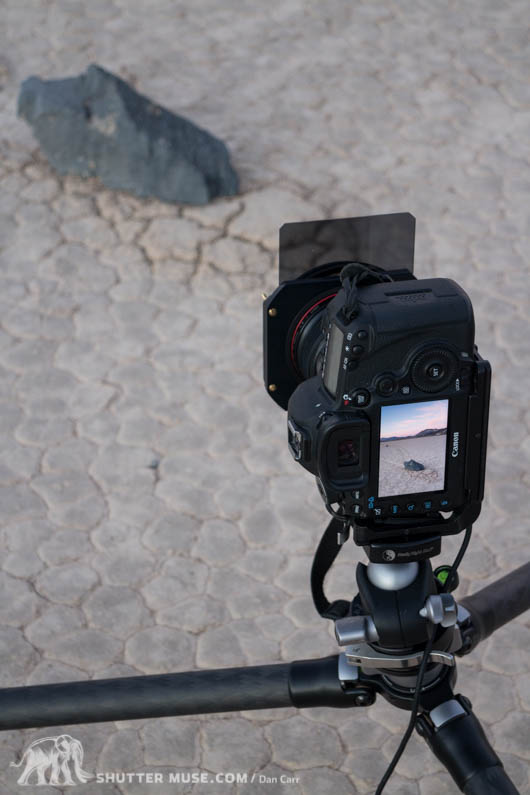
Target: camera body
390,407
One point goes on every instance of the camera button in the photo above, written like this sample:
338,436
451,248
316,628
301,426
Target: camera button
361,397
362,335
411,506
385,385
357,350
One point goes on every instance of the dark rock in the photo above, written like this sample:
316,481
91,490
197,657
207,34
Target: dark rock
413,465
97,125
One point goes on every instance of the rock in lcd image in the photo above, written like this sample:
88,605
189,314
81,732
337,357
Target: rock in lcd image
413,466
97,125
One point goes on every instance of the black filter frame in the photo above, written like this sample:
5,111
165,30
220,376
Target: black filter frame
311,256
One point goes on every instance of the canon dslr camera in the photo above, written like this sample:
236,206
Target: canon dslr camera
386,394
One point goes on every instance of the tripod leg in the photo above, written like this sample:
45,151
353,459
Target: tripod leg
456,737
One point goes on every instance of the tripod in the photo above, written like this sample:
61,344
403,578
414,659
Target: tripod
403,627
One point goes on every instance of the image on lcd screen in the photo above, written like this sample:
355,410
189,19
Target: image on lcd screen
412,446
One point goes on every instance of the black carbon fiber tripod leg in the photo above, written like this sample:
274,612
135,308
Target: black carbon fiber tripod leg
456,737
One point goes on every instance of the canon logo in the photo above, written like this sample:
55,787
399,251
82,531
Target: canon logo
455,444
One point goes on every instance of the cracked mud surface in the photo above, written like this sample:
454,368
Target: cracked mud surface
152,517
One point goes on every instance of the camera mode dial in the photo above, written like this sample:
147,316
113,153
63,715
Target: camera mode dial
434,369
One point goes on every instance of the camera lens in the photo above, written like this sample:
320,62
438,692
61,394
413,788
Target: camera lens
347,453
307,339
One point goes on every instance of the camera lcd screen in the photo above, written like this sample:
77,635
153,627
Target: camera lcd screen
333,355
412,447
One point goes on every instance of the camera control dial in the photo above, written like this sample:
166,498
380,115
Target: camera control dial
434,369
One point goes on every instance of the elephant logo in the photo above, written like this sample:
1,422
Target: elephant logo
52,754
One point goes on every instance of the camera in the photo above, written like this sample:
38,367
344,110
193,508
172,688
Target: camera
386,394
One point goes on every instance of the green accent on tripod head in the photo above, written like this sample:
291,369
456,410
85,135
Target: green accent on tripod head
441,574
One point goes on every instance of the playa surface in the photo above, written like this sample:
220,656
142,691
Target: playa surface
153,519
394,479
